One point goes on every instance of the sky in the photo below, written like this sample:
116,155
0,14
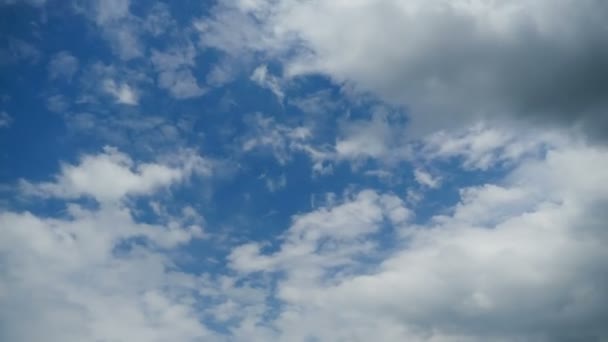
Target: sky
303,170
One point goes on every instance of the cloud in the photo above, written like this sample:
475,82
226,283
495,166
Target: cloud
62,65
121,29
368,139
520,260
123,93
81,277
17,51
57,103
124,31
5,119
275,184
112,175
175,71
35,3
281,140
483,147
265,80
426,179
449,62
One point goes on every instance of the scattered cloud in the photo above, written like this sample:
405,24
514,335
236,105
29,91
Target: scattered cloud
18,50
5,119
63,65
426,179
85,276
266,80
275,184
123,93
481,263
175,74
436,172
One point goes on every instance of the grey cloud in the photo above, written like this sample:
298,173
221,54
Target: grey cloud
452,62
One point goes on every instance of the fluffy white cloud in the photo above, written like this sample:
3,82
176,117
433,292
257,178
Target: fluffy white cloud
87,275
112,175
519,260
522,259
122,93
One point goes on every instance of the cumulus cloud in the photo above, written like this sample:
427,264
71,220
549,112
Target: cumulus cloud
99,273
112,175
448,62
521,260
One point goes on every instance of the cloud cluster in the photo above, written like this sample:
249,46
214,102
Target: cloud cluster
99,273
448,62
521,260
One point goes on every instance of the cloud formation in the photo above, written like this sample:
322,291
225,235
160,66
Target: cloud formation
112,175
477,273
448,62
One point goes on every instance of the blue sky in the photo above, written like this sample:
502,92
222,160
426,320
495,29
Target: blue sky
288,170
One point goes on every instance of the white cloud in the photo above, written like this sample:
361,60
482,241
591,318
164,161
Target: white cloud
180,83
426,179
5,119
112,175
107,11
522,260
275,184
364,139
327,237
482,146
86,275
63,65
118,26
175,71
266,80
123,93
281,140
66,277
